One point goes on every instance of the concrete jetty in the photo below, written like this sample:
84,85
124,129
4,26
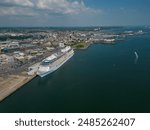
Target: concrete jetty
11,83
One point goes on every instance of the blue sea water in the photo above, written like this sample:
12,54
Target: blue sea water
102,78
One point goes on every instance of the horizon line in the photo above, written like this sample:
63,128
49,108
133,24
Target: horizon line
72,26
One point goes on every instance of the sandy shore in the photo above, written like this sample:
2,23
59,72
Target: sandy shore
10,84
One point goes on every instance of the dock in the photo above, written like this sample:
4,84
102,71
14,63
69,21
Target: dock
11,83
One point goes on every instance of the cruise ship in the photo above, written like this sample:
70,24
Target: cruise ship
54,61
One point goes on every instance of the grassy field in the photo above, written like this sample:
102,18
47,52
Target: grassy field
80,45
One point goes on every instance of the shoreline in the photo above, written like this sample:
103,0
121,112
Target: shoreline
11,83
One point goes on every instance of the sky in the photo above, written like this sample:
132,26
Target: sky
43,13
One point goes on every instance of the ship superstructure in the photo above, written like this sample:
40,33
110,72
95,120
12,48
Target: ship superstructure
54,61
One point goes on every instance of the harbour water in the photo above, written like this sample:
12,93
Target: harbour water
102,78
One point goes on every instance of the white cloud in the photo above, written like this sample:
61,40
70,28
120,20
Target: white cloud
46,6
26,3
62,6
16,11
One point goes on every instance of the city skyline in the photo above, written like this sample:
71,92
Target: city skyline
41,13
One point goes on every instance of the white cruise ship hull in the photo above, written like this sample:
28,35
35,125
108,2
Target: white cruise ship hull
52,69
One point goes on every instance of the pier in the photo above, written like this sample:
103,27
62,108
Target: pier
11,83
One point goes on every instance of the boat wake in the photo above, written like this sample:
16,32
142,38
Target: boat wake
136,57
